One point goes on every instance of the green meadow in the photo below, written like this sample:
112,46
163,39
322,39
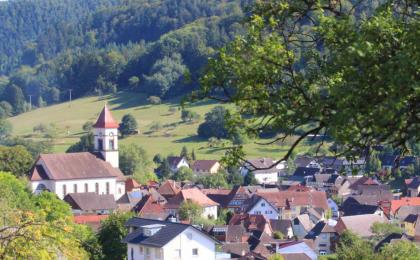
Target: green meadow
68,118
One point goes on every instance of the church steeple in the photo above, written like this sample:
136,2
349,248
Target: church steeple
106,137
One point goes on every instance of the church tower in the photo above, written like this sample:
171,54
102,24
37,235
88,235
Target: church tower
106,137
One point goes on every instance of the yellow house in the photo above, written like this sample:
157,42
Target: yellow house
202,167
410,223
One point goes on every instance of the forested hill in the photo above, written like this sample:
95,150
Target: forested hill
158,47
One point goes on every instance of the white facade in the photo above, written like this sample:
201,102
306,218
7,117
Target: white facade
210,212
182,163
262,207
106,142
99,185
267,177
188,245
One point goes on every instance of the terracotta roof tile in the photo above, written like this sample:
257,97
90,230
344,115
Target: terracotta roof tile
131,184
280,199
404,201
105,119
169,188
194,195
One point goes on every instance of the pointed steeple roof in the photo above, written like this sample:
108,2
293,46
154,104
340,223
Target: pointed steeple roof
105,119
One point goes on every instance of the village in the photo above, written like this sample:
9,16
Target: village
297,215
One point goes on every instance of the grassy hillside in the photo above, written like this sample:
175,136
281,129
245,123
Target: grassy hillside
68,120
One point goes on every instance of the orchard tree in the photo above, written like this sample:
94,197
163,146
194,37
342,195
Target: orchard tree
16,160
183,174
135,161
128,125
325,67
190,210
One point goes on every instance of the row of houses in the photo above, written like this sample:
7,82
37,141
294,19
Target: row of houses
297,217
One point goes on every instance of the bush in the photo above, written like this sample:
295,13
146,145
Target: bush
156,126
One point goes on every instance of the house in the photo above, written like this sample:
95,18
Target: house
130,199
169,189
287,204
282,225
252,223
83,172
410,223
176,162
151,206
304,174
324,237
221,196
156,239
237,198
390,161
404,201
195,195
413,186
93,221
390,239
205,167
300,248
301,225
359,224
91,203
131,184
263,169
351,206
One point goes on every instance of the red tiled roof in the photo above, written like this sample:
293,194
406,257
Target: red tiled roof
131,184
194,195
169,188
149,207
86,219
280,199
250,221
67,166
105,119
404,201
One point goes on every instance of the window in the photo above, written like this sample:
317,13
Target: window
178,252
157,253
111,145
132,253
100,145
107,188
257,212
322,245
64,190
195,252
75,188
97,188
86,187
141,250
263,204
296,221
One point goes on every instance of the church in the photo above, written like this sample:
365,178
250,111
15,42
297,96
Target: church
84,172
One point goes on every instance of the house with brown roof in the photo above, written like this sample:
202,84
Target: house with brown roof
237,198
176,162
205,167
359,224
85,171
324,237
151,207
195,195
91,203
264,170
252,223
169,189
287,204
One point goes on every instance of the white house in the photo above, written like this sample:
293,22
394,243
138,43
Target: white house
155,239
83,172
287,204
176,162
263,172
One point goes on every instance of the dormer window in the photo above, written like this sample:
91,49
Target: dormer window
150,230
